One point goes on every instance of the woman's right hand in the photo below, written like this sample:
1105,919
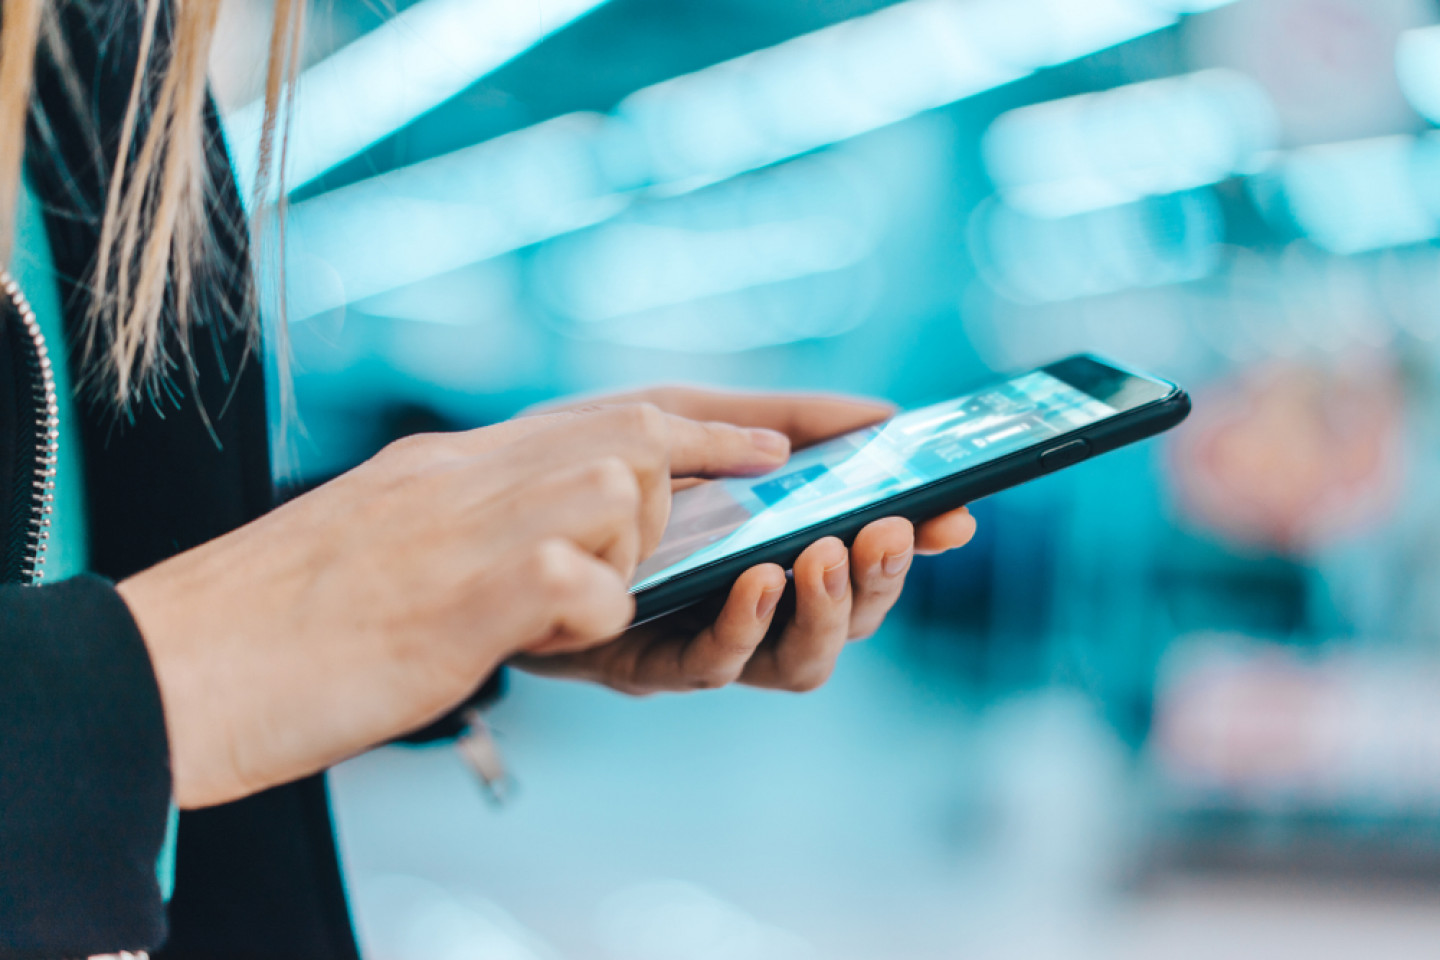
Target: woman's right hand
370,606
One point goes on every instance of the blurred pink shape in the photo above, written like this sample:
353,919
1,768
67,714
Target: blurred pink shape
1289,457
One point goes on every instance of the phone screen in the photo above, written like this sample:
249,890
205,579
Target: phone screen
720,518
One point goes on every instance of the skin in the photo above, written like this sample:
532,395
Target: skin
838,595
376,603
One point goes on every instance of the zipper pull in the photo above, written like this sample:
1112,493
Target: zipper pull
481,754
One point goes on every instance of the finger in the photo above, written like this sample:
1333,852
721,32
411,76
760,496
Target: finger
595,505
804,418
664,447
804,655
657,446
879,560
717,655
581,601
717,448
647,661
949,531
694,448
701,448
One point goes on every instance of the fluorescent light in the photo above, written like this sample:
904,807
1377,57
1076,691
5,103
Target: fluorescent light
1346,198
701,128
807,307
1154,242
1417,64
817,89
1367,194
1084,153
861,75
368,89
447,212
749,264
620,269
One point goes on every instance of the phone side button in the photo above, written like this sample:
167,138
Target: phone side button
1065,455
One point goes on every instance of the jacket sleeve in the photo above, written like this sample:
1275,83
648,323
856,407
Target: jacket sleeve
84,775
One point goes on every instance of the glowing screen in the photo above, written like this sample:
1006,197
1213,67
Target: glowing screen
721,518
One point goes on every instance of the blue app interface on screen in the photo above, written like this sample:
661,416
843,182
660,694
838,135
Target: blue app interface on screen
724,517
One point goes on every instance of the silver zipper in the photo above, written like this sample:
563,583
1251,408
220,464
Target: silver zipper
47,438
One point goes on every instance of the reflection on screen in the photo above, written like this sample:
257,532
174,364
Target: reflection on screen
718,519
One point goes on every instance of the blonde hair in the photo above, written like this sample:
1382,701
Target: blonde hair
154,233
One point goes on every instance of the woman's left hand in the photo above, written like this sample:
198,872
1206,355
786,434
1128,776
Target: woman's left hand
838,596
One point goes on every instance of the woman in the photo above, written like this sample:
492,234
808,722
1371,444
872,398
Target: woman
168,641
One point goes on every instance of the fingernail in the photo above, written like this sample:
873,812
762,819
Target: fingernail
771,442
837,579
896,563
769,600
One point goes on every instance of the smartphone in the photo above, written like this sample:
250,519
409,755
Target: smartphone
917,465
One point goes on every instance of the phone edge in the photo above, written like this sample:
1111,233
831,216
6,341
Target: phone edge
1021,467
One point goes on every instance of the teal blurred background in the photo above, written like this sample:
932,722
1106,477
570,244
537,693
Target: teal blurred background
1183,701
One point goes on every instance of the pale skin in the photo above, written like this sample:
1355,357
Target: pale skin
840,595
376,603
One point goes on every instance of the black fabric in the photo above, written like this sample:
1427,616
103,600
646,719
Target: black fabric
14,428
78,840
258,878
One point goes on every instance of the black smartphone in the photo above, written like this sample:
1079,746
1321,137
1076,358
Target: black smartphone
917,465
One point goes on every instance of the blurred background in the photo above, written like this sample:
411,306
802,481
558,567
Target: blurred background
1183,701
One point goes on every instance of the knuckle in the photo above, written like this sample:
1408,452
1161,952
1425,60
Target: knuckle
614,482
648,422
554,567
668,396
877,597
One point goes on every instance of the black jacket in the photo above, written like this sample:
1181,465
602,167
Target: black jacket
84,769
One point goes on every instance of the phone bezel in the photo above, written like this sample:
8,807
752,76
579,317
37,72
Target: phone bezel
1152,405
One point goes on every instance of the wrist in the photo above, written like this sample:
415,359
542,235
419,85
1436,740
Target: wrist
202,766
